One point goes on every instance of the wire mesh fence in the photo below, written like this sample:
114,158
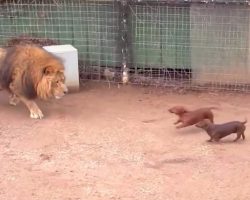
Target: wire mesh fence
192,45
177,44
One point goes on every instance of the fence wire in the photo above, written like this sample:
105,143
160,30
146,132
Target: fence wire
178,45
194,46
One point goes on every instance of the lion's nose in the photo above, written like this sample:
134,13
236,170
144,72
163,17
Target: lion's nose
65,90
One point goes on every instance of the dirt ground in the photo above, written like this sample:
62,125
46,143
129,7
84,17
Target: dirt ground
95,145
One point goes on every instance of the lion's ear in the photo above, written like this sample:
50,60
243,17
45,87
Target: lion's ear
48,70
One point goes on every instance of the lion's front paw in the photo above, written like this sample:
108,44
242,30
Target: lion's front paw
37,114
14,100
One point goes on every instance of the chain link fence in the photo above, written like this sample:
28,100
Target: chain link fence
177,44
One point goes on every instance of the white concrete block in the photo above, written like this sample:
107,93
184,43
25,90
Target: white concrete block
69,55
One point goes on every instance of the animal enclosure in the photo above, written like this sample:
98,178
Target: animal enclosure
96,145
181,44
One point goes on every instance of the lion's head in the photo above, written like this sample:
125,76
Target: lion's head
59,89
52,81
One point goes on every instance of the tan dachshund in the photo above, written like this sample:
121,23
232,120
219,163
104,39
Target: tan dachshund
188,118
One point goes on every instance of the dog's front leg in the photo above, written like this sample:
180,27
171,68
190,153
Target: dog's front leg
178,121
182,125
211,137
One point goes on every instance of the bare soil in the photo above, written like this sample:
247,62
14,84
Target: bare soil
102,144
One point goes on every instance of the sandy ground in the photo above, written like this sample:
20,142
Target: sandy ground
95,145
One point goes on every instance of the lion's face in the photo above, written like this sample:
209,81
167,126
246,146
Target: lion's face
58,87
52,83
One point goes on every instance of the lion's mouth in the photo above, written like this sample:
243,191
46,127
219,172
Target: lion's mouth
59,97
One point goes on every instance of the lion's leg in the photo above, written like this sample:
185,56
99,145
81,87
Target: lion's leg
13,100
35,112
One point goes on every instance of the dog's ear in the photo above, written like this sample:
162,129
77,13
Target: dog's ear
182,110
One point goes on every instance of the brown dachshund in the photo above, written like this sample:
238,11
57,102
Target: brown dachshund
218,131
189,118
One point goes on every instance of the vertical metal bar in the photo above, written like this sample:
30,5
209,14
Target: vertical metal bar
124,14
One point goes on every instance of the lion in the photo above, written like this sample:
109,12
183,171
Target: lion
29,72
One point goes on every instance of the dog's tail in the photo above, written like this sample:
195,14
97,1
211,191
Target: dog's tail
244,121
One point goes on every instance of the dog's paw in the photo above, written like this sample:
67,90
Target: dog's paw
36,114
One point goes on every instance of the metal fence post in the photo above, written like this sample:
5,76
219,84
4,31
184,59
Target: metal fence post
124,12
